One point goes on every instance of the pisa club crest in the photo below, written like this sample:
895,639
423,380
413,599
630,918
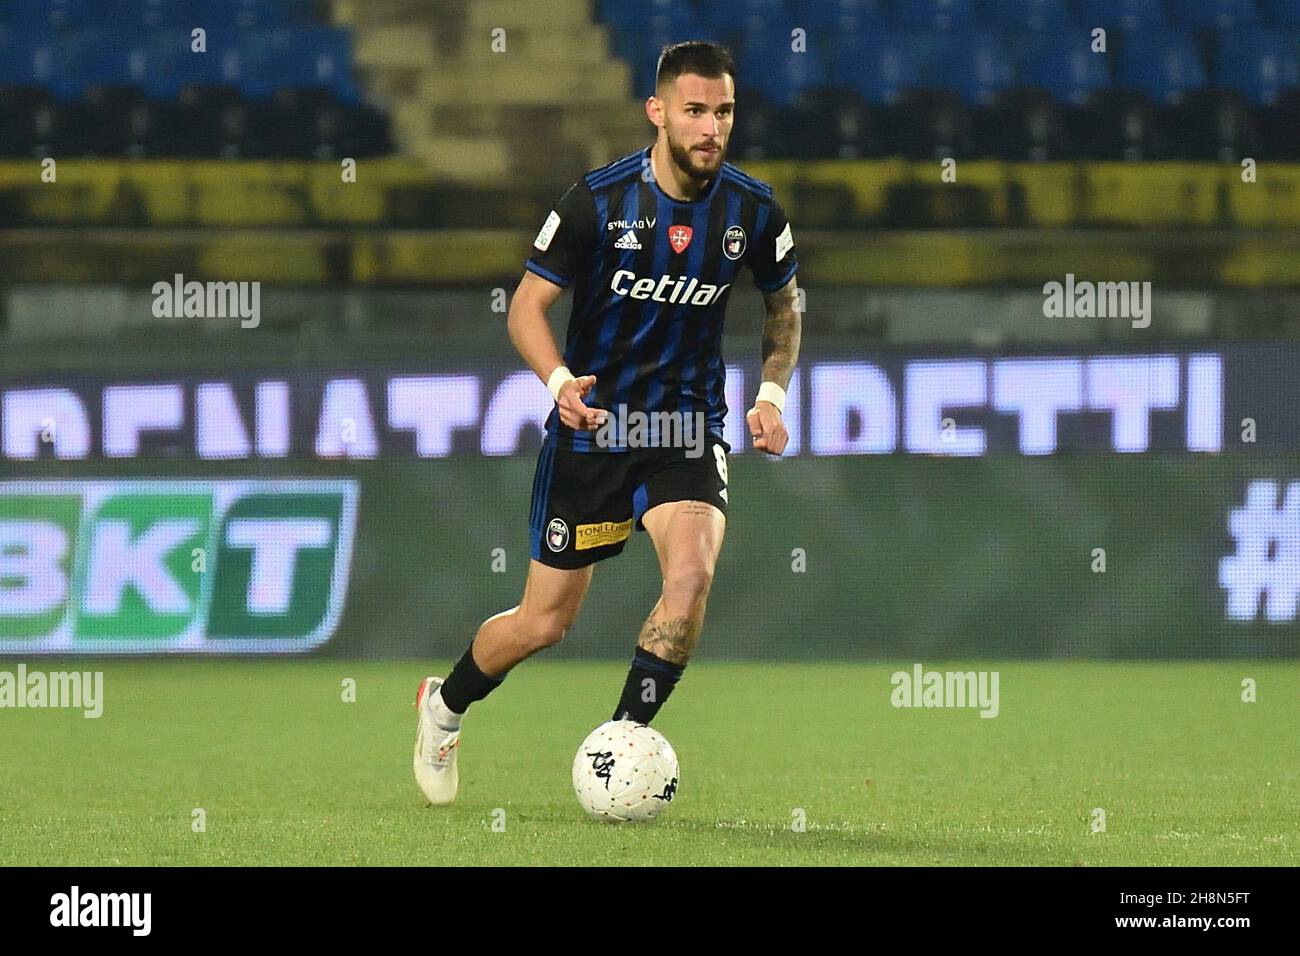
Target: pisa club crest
679,237
557,534
733,242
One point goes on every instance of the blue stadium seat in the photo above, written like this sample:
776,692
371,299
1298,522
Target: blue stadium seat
860,14
245,14
38,59
1122,14
60,14
15,48
1282,14
933,14
625,16
1032,15
153,14
975,65
161,63
732,13
33,16
641,45
778,72
879,67
92,57
1261,64
1070,75
1213,14
771,37
310,57
1162,65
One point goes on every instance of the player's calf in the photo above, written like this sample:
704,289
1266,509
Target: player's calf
686,591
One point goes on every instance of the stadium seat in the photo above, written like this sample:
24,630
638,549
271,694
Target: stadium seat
933,124
36,58
1280,127
642,45
1162,65
762,132
1145,15
624,15
729,14
1021,125
1033,15
34,124
837,124
1259,63
33,15
769,64
200,110
319,56
834,14
126,15
1071,76
1115,125
1214,125
975,65
879,68
1213,14
115,118
25,120
1281,14
933,14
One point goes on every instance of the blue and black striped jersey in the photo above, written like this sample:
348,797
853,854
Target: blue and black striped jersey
651,276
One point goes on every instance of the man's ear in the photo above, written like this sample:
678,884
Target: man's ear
654,108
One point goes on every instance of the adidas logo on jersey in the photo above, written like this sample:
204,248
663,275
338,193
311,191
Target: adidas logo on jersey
628,241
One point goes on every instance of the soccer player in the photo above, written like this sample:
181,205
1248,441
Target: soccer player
651,244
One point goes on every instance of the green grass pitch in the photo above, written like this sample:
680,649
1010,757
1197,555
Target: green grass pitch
288,773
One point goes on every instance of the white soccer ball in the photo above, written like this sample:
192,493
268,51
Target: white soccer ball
625,771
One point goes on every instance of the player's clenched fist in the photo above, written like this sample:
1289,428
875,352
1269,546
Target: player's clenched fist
767,428
573,412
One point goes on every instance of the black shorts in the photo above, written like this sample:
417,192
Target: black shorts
585,504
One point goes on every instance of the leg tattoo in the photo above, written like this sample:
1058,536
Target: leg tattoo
672,639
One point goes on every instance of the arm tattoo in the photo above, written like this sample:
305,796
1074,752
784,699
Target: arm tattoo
781,334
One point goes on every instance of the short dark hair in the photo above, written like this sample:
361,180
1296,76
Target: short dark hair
701,57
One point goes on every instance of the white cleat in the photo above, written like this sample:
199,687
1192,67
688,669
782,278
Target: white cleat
435,751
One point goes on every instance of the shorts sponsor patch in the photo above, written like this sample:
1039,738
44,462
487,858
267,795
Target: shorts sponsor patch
543,241
598,535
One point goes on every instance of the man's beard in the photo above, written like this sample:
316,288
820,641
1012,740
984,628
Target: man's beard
687,160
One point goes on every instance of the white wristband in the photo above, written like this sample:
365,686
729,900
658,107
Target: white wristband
772,392
557,380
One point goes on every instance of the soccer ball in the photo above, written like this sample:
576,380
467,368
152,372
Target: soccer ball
624,771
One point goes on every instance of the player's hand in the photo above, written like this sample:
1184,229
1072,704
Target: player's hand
768,429
572,410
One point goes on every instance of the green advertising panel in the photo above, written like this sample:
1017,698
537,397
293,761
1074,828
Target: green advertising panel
154,566
852,558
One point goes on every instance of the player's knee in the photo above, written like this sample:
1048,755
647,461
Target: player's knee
688,585
544,630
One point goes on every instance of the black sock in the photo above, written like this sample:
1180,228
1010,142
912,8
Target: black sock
466,683
650,677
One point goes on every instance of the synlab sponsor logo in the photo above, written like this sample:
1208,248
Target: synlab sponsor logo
160,566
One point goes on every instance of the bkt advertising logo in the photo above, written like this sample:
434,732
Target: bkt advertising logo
204,566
